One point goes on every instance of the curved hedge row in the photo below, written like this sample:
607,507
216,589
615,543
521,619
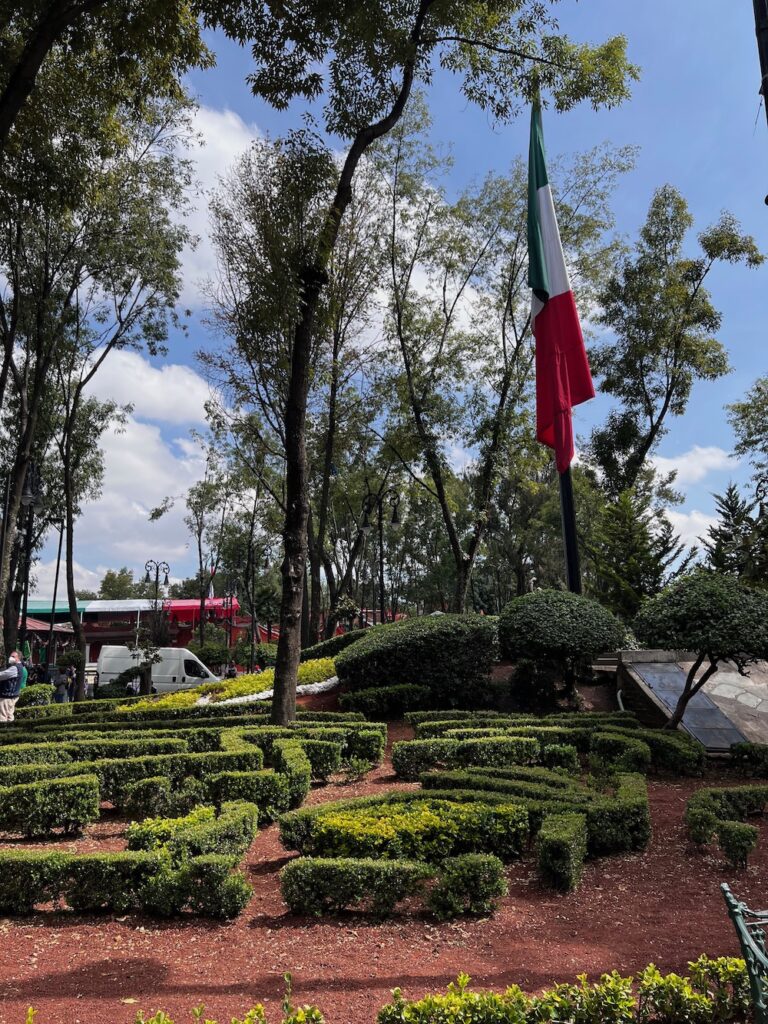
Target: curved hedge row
451,654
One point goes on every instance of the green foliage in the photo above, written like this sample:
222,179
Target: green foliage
534,685
708,613
324,757
39,808
424,829
749,419
612,751
661,316
737,840
557,626
289,759
386,701
468,884
319,885
725,983
450,654
670,999
268,790
336,644
737,544
562,847
751,758
36,695
561,756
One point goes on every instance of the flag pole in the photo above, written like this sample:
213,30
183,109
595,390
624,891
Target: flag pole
570,540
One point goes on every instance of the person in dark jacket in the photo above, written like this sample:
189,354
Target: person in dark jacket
10,687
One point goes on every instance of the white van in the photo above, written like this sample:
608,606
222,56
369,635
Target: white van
177,669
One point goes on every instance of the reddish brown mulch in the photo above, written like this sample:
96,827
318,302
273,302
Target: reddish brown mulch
663,905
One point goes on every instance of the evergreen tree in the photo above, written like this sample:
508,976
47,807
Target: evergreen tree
634,551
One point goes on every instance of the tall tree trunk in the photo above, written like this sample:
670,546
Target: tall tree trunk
315,582
312,280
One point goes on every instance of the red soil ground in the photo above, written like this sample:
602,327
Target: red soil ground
662,905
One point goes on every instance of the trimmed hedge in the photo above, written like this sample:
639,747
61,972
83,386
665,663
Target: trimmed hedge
324,757
336,644
386,701
36,695
289,759
559,626
88,750
200,832
40,808
468,884
562,756
615,823
269,790
751,757
714,811
619,753
451,654
325,885
412,757
561,850
429,829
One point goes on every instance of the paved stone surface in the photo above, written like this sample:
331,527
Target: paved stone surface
744,699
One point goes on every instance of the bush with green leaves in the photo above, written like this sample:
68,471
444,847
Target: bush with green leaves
386,701
561,756
407,826
340,641
561,850
716,992
41,808
36,695
471,883
737,840
613,752
322,885
751,758
712,614
557,627
710,808
451,654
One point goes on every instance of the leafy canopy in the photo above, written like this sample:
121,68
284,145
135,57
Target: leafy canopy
349,53
557,625
708,613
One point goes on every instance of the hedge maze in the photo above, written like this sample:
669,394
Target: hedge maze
493,788
197,784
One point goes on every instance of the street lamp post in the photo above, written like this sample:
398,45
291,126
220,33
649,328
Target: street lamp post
154,567
229,595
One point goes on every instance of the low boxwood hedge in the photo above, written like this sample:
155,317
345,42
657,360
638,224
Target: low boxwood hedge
428,829
88,750
41,808
451,654
719,812
610,750
386,701
326,885
561,849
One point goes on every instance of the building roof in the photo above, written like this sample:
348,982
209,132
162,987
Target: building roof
44,606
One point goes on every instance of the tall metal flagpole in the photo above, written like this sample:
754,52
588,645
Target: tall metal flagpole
570,539
761,30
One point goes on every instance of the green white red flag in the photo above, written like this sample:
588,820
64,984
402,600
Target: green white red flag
563,379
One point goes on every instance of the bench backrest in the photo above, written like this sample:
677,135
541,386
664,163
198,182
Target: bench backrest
750,927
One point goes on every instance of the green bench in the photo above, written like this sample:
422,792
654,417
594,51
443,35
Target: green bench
750,927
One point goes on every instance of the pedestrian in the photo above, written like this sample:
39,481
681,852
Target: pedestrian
231,672
61,687
71,682
10,687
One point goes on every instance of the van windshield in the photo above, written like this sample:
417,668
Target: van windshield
192,668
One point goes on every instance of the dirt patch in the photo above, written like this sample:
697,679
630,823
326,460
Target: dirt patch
662,905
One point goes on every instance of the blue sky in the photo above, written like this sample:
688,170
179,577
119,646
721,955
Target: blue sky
694,115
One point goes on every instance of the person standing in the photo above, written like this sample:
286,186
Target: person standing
61,687
10,687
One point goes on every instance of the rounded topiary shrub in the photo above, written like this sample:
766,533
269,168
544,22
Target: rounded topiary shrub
450,654
35,695
557,626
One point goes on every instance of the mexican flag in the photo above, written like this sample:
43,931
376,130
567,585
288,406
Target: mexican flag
563,379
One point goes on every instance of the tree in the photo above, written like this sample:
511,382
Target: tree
365,60
663,324
737,543
634,552
749,420
131,45
464,337
716,617
119,585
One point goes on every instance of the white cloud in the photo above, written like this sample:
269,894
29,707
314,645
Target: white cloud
691,526
698,462
171,394
44,574
224,136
